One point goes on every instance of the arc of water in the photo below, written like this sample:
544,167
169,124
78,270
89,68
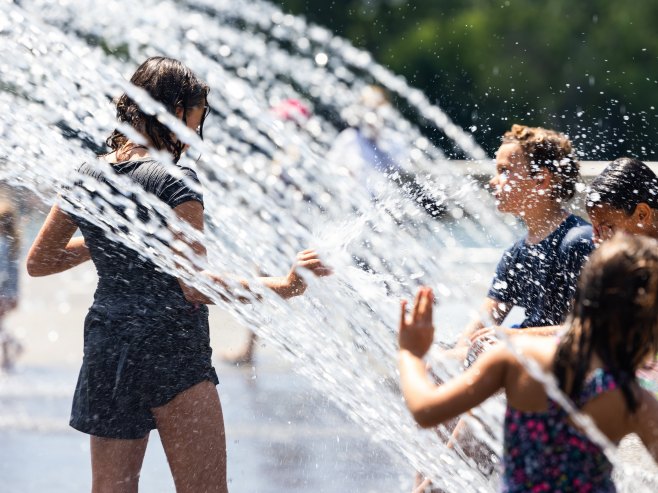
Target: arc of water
40,151
387,411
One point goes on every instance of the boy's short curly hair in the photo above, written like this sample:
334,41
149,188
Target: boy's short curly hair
550,150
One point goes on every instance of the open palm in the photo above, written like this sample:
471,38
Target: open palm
416,329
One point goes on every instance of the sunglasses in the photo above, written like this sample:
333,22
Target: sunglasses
199,129
206,112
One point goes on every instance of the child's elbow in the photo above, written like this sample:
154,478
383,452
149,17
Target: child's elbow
425,417
193,295
35,268
424,420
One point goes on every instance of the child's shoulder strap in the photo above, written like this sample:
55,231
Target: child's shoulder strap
599,382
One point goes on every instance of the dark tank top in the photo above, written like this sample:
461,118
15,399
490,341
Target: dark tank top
124,274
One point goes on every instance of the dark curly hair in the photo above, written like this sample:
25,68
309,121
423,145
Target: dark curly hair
623,184
550,150
170,83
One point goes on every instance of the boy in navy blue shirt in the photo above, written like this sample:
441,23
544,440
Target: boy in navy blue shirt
536,174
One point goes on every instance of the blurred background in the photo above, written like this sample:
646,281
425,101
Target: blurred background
585,68
285,97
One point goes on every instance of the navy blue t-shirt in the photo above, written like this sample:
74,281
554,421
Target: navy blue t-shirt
542,278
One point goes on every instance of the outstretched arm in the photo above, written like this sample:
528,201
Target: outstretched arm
491,310
54,249
429,404
293,284
285,286
489,332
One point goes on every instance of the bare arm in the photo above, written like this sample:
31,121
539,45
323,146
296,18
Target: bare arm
54,250
285,286
293,284
491,310
487,333
429,404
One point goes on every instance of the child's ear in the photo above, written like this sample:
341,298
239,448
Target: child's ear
179,112
544,179
643,214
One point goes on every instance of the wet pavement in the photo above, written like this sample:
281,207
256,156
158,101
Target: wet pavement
281,434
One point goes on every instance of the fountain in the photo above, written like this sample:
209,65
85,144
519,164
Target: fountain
59,71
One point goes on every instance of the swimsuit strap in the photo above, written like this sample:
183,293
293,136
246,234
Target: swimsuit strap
599,382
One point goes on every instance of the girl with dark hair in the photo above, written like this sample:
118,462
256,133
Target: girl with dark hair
624,197
147,356
9,253
613,330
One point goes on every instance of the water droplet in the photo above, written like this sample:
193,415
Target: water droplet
321,59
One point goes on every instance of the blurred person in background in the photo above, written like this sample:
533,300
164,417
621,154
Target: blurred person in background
373,154
294,114
9,254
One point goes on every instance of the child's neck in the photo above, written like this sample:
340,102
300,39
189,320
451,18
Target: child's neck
541,221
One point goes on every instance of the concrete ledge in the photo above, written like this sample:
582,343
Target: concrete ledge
588,169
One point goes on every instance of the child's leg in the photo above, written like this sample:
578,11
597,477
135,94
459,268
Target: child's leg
116,463
5,357
245,355
420,483
191,428
456,432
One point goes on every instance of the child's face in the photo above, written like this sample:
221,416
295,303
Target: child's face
513,186
194,117
606,221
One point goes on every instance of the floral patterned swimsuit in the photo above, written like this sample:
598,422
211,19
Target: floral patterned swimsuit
545,453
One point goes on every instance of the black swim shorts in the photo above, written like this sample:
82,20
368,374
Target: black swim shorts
136,359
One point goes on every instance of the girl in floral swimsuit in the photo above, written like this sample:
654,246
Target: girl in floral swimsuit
613,331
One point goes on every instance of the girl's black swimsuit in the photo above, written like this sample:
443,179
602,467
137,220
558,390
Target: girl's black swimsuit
144,343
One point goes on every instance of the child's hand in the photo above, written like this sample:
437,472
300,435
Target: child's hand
417,331
310,260
483,333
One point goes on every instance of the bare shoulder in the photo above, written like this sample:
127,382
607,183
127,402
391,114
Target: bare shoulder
540,349
192,212
59,220
523,391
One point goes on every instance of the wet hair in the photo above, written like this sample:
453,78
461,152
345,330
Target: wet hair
550,150
170,83
623,184
615,316
9,228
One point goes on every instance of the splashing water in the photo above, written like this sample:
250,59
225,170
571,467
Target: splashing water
55,100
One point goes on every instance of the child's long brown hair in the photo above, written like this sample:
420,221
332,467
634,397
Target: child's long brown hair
615,316
169,82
